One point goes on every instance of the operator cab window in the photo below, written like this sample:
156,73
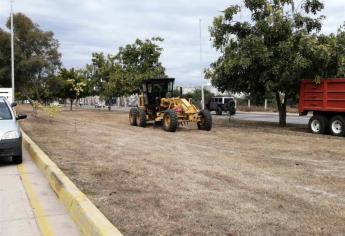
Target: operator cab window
5,112
170,86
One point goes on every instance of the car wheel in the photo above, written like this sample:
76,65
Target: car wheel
17,159
219,111
232,112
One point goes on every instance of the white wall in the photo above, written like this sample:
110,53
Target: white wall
7,93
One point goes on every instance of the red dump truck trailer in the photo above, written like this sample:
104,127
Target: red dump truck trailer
327,103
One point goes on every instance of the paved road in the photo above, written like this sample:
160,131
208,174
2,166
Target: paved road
270,117
28,206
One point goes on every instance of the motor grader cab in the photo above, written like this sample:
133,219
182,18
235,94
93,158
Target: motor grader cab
157,104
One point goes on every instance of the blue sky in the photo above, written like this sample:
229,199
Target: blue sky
86,26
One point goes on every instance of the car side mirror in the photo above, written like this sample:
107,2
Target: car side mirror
13,104
21,117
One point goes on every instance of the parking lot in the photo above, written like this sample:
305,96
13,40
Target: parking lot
241,178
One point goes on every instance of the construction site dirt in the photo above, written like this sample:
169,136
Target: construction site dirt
241,178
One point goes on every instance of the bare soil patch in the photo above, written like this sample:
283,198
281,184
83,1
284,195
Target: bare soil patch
239,179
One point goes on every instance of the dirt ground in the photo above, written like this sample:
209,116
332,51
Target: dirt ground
239,179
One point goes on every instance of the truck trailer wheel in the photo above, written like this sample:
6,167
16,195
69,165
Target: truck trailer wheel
337,126
133,113
318,124
170,121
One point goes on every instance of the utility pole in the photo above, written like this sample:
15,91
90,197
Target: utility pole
12,52
201,68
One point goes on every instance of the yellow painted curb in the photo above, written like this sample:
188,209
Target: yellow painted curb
42,221
84,213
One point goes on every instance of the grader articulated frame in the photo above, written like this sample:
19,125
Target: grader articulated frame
157,105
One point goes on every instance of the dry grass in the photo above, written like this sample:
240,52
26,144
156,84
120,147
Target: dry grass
262,109
238,179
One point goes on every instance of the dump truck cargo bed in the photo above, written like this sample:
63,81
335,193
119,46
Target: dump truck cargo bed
328,96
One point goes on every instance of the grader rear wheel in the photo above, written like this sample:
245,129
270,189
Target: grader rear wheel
205,122
141,118
133,113
170,121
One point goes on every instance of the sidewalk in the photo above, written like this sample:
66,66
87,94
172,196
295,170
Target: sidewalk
29,207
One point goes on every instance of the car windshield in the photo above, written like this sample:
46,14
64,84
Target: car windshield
5,113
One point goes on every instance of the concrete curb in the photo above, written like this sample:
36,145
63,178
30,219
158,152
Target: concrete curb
84,213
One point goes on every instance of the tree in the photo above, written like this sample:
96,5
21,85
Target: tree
136,62
121,74
36,57
272,52
98,72
196,96
340,52
74,84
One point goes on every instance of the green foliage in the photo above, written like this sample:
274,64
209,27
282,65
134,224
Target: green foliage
52,110
37,62
98,73
274,51
195,96
36,57
73,84
136,62
122,74
340,52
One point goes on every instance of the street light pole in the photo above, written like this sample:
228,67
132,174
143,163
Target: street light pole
201,68
12,52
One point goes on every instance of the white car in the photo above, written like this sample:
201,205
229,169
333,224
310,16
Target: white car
10,134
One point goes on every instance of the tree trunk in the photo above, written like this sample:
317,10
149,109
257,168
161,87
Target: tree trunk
34,109
125,101
281,109
71,107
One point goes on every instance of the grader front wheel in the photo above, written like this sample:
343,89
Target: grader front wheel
170,121
205,122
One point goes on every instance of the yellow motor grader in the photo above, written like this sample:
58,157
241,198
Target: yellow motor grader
158,105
